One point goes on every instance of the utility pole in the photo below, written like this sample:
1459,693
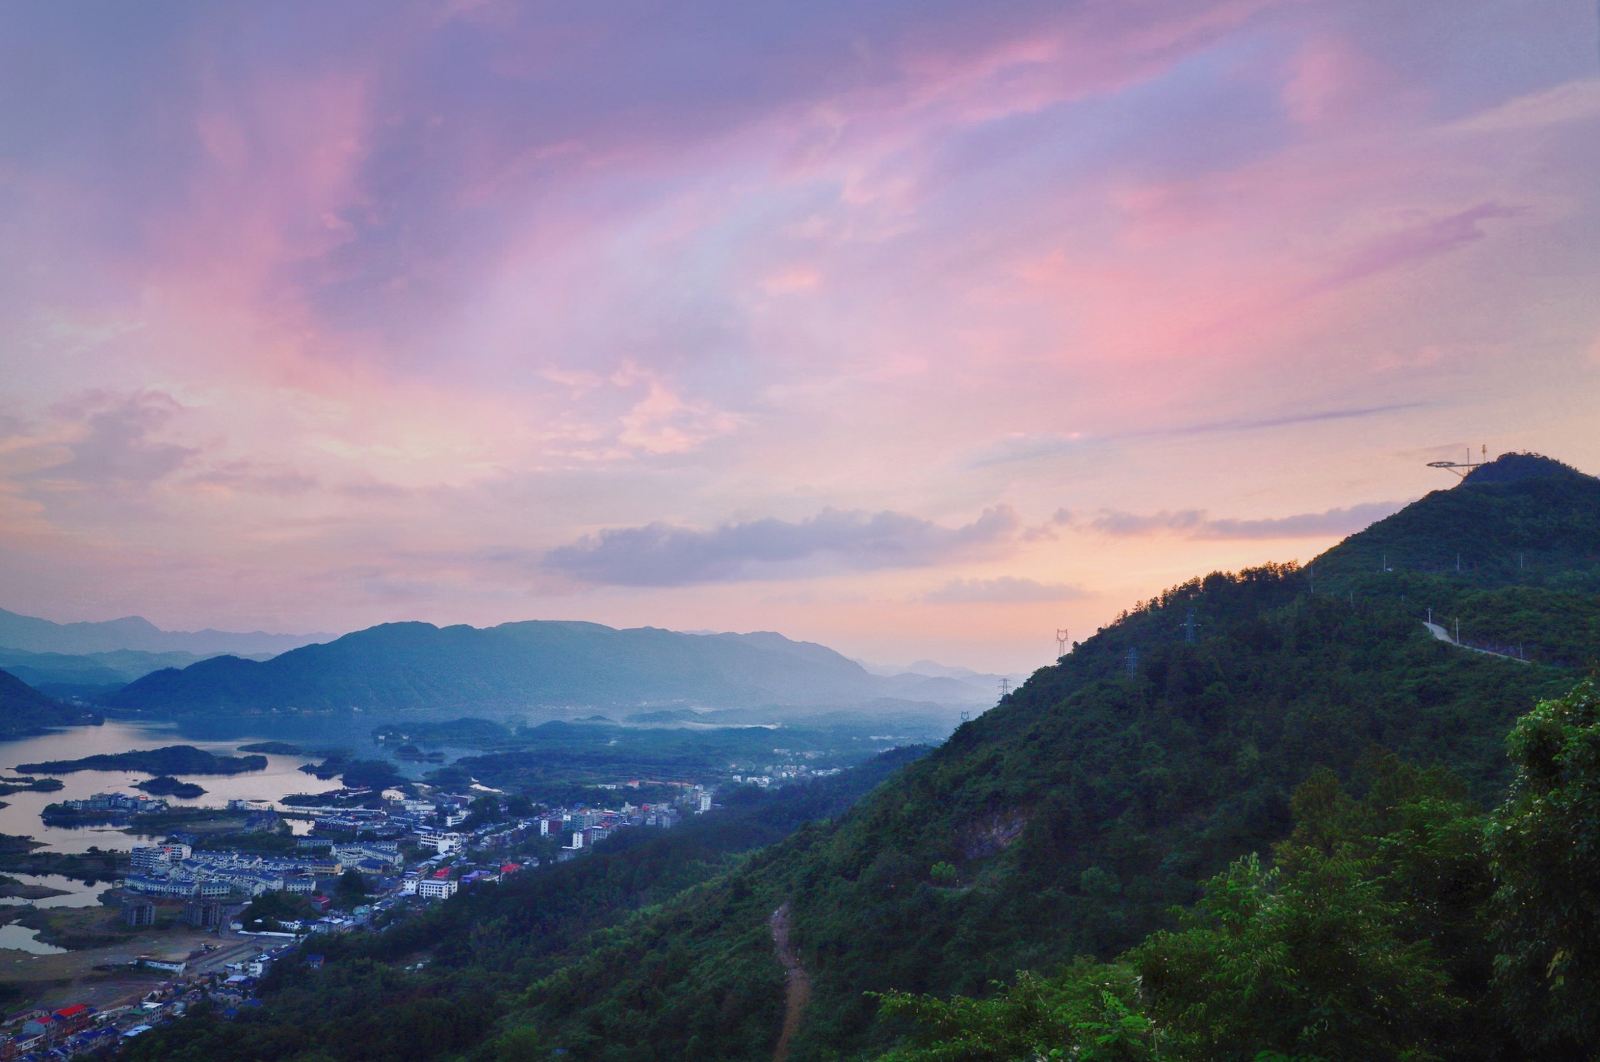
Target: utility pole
1458,564
1458,630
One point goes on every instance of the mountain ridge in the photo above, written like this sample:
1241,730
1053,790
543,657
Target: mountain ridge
417,666
35,635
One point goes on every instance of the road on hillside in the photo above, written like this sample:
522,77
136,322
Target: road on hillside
1444,636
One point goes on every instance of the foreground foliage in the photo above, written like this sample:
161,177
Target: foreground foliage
1388,928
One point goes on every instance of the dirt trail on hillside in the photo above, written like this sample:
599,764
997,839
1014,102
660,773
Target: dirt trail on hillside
798,991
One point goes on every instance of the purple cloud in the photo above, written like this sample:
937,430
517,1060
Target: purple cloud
119,444
833,540
1415,243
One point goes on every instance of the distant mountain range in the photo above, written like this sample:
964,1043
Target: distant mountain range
89,675
536,664
34,635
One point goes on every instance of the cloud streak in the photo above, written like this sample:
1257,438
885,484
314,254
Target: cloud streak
1197,523
832,541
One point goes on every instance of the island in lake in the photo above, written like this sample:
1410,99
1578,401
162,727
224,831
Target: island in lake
273,748
29,785
166,785
171,760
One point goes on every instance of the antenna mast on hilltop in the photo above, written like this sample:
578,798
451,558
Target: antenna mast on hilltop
1462,468
1061,642
1005,688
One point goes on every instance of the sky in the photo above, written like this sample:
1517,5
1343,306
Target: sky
920,329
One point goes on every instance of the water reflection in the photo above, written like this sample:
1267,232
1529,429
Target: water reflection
21,938
281,777
74,893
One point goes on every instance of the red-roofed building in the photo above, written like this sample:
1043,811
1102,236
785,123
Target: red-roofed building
74,1017
441,873
509,868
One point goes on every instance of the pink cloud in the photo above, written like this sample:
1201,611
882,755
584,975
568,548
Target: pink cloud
1331,78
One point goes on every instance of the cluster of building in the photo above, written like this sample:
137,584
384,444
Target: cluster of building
114,804
80,1029
432,882
75,1029
784,774
177,871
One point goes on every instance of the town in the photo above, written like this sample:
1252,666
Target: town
358,861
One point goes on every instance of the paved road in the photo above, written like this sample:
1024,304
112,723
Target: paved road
1444,636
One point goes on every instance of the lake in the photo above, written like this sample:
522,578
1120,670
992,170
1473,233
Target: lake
281,777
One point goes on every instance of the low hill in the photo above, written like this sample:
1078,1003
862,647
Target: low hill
34,635
516,666
24,711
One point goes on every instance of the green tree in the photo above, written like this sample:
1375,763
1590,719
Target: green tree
1312,962
482,811
1545,845
1090,1013
351,890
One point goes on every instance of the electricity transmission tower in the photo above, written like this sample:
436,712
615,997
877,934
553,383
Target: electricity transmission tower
1061,642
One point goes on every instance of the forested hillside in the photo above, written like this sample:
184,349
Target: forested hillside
1073,818
24,710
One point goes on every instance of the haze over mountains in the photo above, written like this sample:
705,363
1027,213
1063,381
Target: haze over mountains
417,666
515,666
35,635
